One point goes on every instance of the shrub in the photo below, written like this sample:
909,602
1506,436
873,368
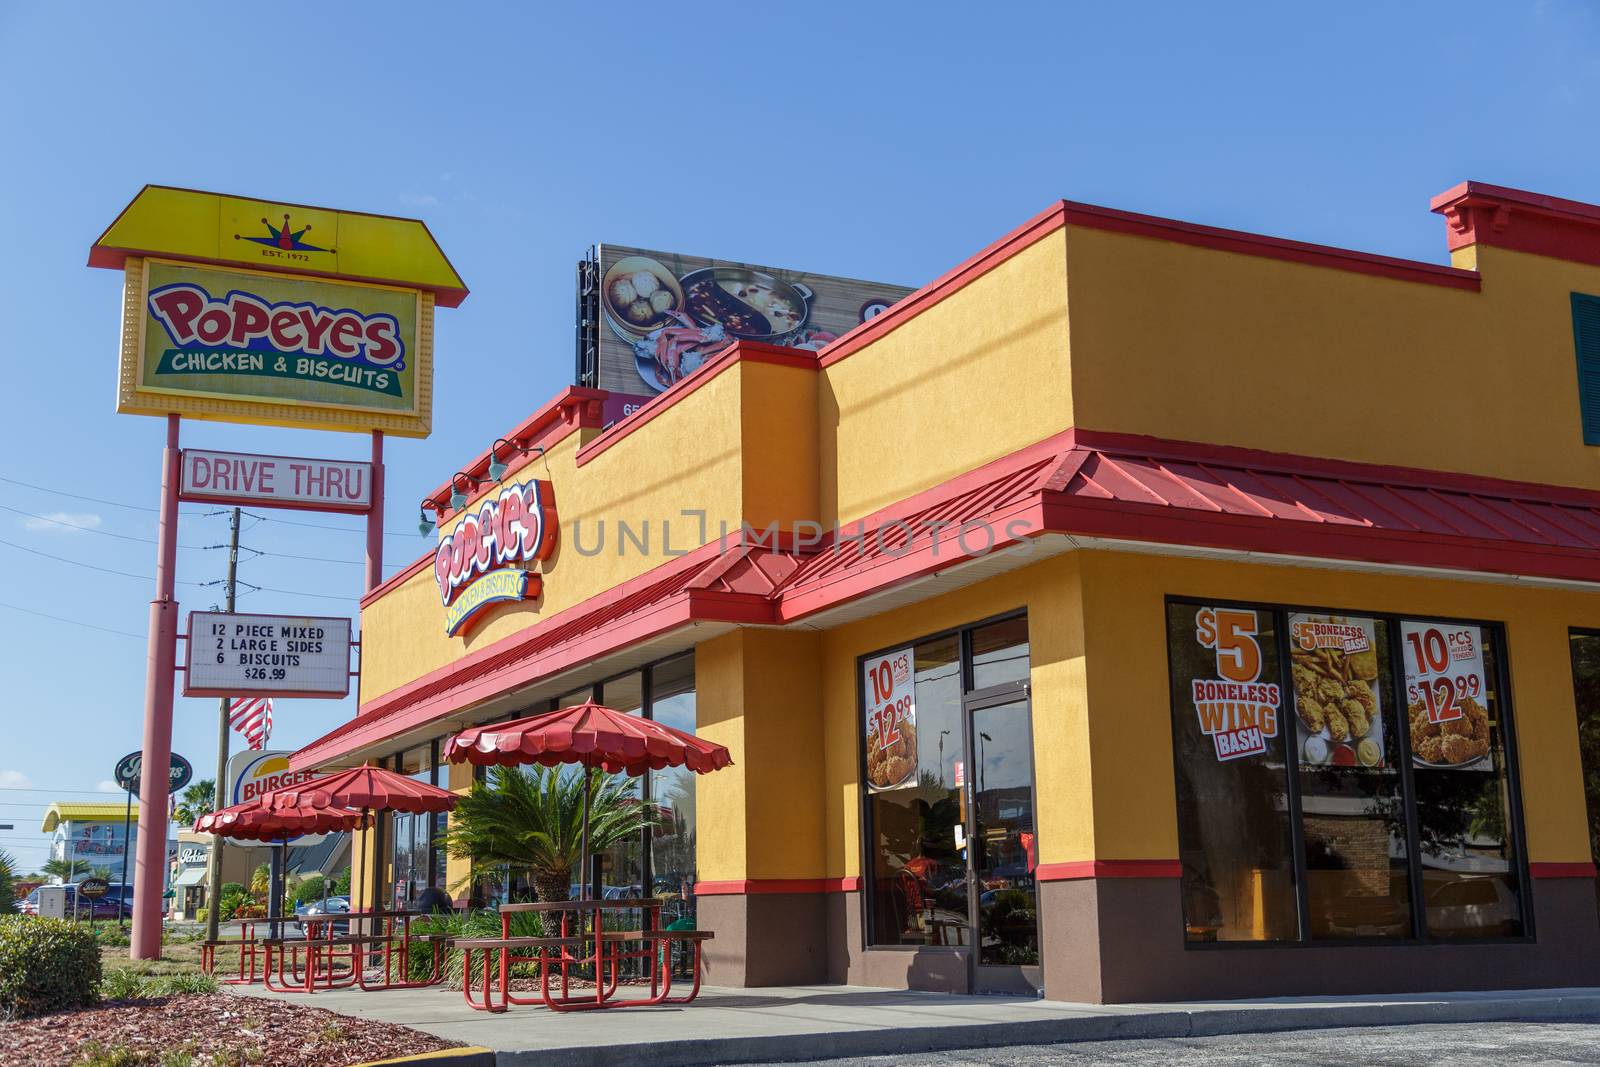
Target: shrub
202,914
309,889
123,983
8,884
46,965
341,885
231,888
482,923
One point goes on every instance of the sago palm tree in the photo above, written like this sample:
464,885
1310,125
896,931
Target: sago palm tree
8,884
195,801
69,870
531,819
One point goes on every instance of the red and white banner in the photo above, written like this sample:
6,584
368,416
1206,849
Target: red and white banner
276,481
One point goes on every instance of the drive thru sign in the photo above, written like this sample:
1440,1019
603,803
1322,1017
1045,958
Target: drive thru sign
267,655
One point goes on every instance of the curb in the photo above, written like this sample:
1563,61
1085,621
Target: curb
1203,1022
468,1056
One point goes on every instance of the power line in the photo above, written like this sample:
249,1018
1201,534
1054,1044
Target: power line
76,496
92,530
146,577
72,622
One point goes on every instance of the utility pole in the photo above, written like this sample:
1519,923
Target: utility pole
214,860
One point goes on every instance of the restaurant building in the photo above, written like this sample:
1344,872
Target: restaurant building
1140,611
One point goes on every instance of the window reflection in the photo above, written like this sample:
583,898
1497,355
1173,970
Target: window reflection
1357,875
1233,805
1469,884
672,791
919,889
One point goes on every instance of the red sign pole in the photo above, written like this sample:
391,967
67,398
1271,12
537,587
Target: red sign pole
375,517
149,874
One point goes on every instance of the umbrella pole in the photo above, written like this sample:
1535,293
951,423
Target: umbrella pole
583,875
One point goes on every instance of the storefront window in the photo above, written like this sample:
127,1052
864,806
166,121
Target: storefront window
672,791
919,891
1402,792
622,865
1586,691
1470,883
949,782
1000,653
413,854
1348,752
1233,803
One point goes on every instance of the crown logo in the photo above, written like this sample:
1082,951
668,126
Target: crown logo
285,237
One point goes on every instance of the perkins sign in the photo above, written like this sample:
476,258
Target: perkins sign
476,564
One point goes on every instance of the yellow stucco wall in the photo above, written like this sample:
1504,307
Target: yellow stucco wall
977,376
756,691
1130,712
1198,344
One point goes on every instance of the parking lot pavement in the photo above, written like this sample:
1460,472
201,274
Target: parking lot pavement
1399,1046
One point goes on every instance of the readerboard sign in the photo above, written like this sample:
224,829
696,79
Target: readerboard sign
275,481
267,655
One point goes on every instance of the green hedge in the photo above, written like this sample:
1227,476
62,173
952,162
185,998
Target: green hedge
46,965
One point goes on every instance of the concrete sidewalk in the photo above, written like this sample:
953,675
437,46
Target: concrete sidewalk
832,1022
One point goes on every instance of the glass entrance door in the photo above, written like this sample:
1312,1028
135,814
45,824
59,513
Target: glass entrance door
1002,850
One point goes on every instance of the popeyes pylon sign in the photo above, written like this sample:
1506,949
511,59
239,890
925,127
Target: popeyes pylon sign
482,561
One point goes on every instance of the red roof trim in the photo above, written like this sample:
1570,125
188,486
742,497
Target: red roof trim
1479,213
739,351
1092,216
574,408
1255,244
398,578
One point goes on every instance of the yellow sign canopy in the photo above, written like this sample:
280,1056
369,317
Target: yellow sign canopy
269,235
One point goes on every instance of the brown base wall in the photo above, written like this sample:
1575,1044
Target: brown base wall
1117,940
765,939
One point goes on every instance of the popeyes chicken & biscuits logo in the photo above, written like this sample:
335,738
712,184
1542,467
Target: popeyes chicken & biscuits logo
479,562
1237,710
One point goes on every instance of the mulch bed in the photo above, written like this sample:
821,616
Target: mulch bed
247,1030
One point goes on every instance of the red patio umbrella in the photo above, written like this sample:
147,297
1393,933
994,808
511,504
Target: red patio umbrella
592,736
367,789
256,820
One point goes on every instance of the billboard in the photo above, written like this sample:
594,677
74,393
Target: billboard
275,481
647,319
244,310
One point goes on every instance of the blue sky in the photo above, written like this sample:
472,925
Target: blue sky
875,141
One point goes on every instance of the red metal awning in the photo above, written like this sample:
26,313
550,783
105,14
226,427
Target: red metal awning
1094,487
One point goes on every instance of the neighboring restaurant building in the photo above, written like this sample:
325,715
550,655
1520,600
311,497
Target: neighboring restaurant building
1140,611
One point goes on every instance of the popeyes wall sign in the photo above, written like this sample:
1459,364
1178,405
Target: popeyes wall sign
1236,709
483,560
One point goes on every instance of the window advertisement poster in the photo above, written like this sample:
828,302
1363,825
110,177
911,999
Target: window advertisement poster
659,316
889,691
1337,697
1446,695
1235,707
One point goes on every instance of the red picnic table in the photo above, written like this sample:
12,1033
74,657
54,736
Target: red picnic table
581,940
389,937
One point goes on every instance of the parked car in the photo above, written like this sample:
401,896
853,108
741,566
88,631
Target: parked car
315,909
